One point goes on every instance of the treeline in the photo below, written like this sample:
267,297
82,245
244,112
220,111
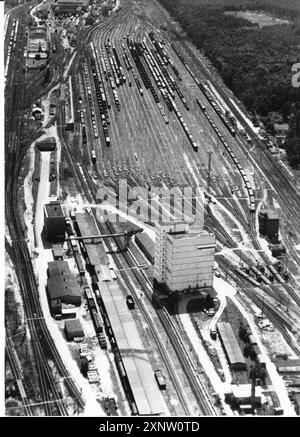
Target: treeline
255,63
292,143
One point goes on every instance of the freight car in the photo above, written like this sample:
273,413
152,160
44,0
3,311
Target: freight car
232,155
89,298
160,379
97,323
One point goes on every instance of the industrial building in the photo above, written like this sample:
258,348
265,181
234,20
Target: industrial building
231,347
269,224
62,286
47,145
70,6
184,256
288,366
54,222
73,329
37,48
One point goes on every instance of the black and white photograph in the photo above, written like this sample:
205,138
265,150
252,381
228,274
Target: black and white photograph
151,213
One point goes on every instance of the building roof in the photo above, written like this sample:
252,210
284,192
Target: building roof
72,2
57,250
58,268
60,287
291,365
61,281
54,209
230,343
88,226
73,327
270,213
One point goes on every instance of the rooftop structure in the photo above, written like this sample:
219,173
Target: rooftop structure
184,256
231,346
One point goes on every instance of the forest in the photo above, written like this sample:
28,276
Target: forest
254,62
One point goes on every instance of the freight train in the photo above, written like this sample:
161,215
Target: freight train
232,155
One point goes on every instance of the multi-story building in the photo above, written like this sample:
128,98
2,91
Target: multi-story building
269,224
54,222
184,256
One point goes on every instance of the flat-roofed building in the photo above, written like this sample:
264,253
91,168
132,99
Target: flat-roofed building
269,224
70,6
73,329
184,256
54,222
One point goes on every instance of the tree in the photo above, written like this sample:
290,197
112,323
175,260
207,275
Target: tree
84,367
292,145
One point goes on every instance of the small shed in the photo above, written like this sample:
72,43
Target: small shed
73,329
57,252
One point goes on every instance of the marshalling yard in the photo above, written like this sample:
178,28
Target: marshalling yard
129,98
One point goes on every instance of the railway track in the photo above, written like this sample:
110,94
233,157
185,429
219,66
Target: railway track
42,343
16,370
205,403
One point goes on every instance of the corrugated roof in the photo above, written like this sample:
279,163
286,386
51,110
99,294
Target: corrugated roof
230,343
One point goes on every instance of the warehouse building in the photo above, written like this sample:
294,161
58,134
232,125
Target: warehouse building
73,329
269,224
62,286
288,366
54,222
184,256
47,145
231,347
70,6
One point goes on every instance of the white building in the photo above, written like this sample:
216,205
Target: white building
184,256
